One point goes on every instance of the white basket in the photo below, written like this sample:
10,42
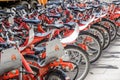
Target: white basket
10,59
54,51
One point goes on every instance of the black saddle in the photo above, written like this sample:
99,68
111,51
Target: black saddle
96,6
80,10
53,2
89,8
5,12
116,2
70,24
20,7
58,26
33,21
39,50
4,46
54,16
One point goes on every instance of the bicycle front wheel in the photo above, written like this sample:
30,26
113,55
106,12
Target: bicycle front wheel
77,55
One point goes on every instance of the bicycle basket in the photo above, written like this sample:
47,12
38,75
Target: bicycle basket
54,51
10,59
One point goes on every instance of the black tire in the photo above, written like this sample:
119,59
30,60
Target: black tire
93,50
118,27
84,68
95,31
0,7
112,28
55,76
75,50
61,75
106,34
25,4
33,4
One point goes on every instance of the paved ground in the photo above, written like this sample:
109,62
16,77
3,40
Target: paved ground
108,66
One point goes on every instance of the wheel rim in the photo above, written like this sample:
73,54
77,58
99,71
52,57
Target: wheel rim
118,31
106,35
99,35
54,77
118,28
93,48
82,67
111,28
74,55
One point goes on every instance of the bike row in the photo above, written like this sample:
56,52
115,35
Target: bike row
57,41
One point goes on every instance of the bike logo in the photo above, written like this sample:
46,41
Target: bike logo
56,48
13,57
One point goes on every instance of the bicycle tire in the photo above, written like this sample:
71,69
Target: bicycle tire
86,62
112,28
106,34
118,27
95,31
96,55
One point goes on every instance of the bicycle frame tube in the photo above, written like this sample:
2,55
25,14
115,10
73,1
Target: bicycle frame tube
27,67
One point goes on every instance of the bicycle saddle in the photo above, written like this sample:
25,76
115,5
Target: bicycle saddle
5,12
88,8
4,45
116,2
55,25
53,2
80,10
20,7
34,21
1,49
72,7
38,50
39,5
43,34
54,16
70,24
96,6
89,2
